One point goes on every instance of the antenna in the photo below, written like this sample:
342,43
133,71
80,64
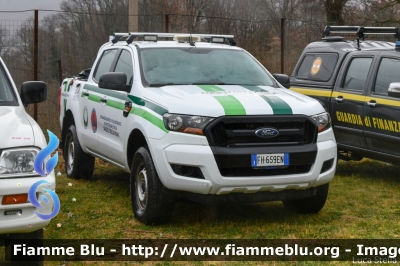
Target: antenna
191,39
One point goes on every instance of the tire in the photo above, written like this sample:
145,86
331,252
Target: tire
77,163
309,205
35,239
152,203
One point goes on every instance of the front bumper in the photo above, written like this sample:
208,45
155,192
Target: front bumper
192,150
27,221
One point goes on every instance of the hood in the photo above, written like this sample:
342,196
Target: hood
220,100
18,130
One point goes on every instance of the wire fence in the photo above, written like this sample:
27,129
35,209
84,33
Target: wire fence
75,37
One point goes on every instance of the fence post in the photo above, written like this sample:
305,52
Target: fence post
59,71
35,59
282,45
166,23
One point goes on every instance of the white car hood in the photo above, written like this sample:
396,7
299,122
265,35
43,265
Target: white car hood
219,100
16,128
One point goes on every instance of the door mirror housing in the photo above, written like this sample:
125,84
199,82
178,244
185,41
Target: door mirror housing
283,79
33,92
114,81
394,89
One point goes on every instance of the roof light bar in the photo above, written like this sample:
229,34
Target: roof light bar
150,38
187,38
134,35
217,39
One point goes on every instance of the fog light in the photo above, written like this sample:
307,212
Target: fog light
13,212
327,165
189,171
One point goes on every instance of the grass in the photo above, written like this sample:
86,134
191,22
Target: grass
363,203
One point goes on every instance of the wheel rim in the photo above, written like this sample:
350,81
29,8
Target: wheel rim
141,187
71,150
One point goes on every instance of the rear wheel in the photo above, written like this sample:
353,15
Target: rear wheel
309,205
152,203
77,163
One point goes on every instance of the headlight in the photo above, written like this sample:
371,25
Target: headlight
186,123
18,162
323,121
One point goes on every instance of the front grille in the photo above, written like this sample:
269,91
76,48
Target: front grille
232,140
240,131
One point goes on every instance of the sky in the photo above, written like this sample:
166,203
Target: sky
18,5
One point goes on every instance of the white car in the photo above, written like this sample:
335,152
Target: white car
21,139
196,117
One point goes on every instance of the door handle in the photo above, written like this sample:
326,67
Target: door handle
86,94
372,103
339,99
103,100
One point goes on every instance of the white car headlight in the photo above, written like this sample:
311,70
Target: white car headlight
191,124
323,121
18,162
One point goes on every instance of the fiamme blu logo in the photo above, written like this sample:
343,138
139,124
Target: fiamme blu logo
43,168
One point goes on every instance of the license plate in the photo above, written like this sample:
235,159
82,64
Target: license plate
272,159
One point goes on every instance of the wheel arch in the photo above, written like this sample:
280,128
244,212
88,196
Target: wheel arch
135,141
67,122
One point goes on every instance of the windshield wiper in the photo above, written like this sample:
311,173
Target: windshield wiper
166,84
221,83
209,83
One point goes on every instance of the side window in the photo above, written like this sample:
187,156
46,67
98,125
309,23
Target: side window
104,63
317,67
124,65
6,91
388,72
357,74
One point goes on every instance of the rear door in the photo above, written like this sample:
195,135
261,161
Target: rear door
383,112
348,99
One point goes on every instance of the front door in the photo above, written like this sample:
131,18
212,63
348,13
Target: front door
347,103
383,111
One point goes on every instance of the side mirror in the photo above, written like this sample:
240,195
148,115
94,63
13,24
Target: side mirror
33,92
114,81
394,89
283,79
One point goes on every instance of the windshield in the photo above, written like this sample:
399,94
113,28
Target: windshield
168,66
6,93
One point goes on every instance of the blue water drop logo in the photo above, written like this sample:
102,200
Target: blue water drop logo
42,155
54,198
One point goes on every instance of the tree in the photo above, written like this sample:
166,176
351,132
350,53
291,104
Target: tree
334,11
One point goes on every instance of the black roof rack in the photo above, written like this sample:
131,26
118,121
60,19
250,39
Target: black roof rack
362,31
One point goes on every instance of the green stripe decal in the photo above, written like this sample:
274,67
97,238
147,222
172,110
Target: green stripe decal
152,106
279,106
149,117
253,88
210,88
94,98
115,104
231,105
135,111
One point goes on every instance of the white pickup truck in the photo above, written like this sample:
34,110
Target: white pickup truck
21,139
195,117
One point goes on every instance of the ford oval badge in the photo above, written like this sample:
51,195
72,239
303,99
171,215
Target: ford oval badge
267,133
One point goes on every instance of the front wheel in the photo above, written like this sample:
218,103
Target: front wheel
152,203
309,205
77,163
